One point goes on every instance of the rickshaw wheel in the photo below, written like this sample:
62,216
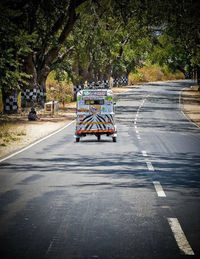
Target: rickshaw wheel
114,139
77,139
98,137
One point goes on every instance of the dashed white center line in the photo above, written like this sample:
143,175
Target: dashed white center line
150,166
144,153
159,189
180,237
177,231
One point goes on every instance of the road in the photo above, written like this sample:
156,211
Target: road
137,198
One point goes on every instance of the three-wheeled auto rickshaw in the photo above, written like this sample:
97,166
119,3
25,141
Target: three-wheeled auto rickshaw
95,114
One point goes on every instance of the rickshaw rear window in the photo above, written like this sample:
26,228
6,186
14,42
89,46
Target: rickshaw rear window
92,102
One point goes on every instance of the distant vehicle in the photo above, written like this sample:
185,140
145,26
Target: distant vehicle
95,114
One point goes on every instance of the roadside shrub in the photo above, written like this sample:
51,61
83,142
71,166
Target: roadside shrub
135,78
152,73
59,91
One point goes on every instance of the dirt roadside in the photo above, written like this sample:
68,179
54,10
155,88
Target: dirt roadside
20,132
28,132
190,100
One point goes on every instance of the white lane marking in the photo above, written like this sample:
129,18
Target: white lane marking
144,153
159,189
150,166
180,237
165,207
35,143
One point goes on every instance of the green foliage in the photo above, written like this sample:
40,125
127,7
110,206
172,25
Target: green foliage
92,40
14,45
105,43
170,54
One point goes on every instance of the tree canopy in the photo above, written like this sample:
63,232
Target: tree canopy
93,39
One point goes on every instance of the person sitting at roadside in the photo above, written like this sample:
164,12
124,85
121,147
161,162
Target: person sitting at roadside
32,116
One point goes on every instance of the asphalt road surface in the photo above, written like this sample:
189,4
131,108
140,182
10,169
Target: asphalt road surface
136,198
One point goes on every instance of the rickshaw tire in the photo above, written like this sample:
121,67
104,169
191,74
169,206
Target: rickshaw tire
114,139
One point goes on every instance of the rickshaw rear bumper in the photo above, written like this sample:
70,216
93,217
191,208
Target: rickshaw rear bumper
82,133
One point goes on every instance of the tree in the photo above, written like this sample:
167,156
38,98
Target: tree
180,24
104,44
167,51
48,24
90,39
14,46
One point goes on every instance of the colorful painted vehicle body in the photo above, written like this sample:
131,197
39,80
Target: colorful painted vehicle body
95,114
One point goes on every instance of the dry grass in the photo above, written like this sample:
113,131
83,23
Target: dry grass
17,132
153,73
62,91
10,132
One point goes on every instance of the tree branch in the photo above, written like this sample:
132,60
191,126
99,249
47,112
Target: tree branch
53,52
63,55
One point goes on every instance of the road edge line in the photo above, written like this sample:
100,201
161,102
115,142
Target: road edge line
36,142
182,109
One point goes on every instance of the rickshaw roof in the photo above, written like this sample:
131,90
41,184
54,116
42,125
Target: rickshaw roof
95,92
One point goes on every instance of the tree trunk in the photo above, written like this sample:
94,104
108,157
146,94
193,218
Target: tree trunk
10,101
4,95
39,64
31,70
198,77
35,93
